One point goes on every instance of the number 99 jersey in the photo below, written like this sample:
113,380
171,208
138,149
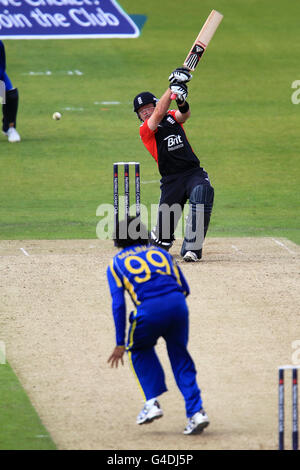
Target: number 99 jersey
145,272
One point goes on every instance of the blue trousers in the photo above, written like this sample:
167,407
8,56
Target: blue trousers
167,317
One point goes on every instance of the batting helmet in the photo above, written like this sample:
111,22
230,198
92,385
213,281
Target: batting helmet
143,98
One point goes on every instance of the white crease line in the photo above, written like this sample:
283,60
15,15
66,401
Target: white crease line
24,251
73,109
283,246
107,102
59,72
236,249
150,182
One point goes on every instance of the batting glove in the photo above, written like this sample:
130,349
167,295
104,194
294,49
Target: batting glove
180,90
181,75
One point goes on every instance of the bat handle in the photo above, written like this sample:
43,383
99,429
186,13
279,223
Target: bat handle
173,96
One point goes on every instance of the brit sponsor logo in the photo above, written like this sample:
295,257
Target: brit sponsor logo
61,19
174,142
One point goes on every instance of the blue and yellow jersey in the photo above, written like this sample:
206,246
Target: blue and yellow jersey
144,272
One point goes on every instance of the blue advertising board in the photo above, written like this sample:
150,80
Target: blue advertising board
63,19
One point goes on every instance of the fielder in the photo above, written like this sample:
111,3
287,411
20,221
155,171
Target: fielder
183,178
10,108
158,289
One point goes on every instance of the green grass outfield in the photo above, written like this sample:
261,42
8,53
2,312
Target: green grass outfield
20,428
244,126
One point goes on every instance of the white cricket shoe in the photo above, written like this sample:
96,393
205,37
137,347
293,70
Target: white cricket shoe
190,256
13,135
149,412
197,423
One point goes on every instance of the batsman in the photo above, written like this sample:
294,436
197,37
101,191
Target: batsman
182,177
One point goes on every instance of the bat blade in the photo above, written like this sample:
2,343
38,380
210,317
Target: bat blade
198,48
203,39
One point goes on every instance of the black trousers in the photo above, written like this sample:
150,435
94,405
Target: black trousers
177,189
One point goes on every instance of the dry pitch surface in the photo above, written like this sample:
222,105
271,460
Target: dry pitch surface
57,326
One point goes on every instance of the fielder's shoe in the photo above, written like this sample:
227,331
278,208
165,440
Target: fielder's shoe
197,423
190,256
150,412
13,135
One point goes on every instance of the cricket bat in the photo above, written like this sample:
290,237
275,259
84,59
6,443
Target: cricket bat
198,48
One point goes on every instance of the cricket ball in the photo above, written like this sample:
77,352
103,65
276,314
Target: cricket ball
56,116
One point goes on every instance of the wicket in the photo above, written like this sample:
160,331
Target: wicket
126,191
294,370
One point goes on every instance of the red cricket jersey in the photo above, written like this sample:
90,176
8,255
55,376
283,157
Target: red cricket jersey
169,146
